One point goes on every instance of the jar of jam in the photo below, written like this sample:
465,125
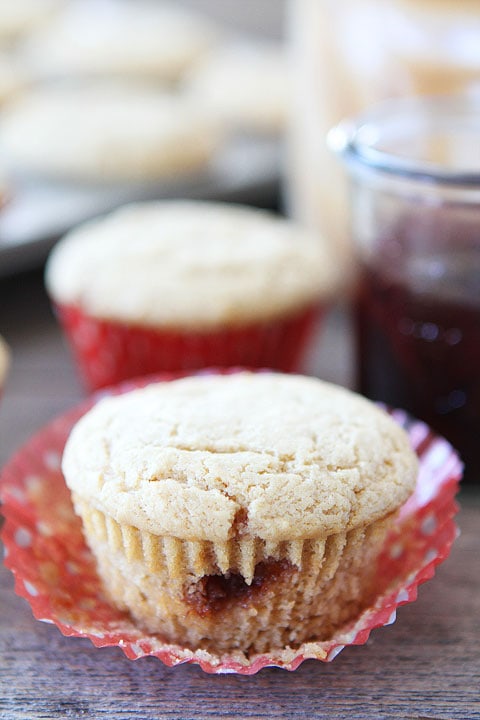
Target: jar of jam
414,175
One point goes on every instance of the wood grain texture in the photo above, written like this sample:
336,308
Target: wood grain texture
427,665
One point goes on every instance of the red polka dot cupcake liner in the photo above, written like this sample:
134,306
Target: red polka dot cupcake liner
56,573
108,352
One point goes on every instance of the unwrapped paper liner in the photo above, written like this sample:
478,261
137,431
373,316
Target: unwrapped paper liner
56,572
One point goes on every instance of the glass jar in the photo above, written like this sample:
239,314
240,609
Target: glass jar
414,170
349,54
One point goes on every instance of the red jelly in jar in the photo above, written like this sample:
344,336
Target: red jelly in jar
415,210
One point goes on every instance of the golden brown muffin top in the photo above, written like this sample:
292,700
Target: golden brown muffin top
279,457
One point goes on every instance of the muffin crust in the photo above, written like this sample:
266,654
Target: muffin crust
190,265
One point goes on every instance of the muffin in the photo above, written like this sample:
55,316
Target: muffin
4,361
245,84
239,512
19,17
145,39
178,285
13,79
106,133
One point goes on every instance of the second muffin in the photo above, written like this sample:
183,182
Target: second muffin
183,285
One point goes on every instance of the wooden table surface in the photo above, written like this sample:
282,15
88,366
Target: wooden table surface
427,665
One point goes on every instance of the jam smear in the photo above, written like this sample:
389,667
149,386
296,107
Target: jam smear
214,593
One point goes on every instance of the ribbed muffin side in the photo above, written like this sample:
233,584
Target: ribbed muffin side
245,594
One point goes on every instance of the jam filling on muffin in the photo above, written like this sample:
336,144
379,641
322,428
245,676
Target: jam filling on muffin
213,593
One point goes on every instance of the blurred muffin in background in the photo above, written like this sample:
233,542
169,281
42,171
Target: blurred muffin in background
13,79
348,55
243,512
4,361
105,133
141,38
177,285
18,17
245,84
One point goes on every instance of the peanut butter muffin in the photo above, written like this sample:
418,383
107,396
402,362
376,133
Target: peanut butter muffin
238,512
4,361
186,285
106,133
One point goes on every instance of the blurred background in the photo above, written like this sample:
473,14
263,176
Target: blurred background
261,82
264,80
108,101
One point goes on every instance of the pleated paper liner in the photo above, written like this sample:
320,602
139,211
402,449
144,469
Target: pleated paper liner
56,572
108,352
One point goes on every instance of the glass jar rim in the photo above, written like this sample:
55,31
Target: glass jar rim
357,139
